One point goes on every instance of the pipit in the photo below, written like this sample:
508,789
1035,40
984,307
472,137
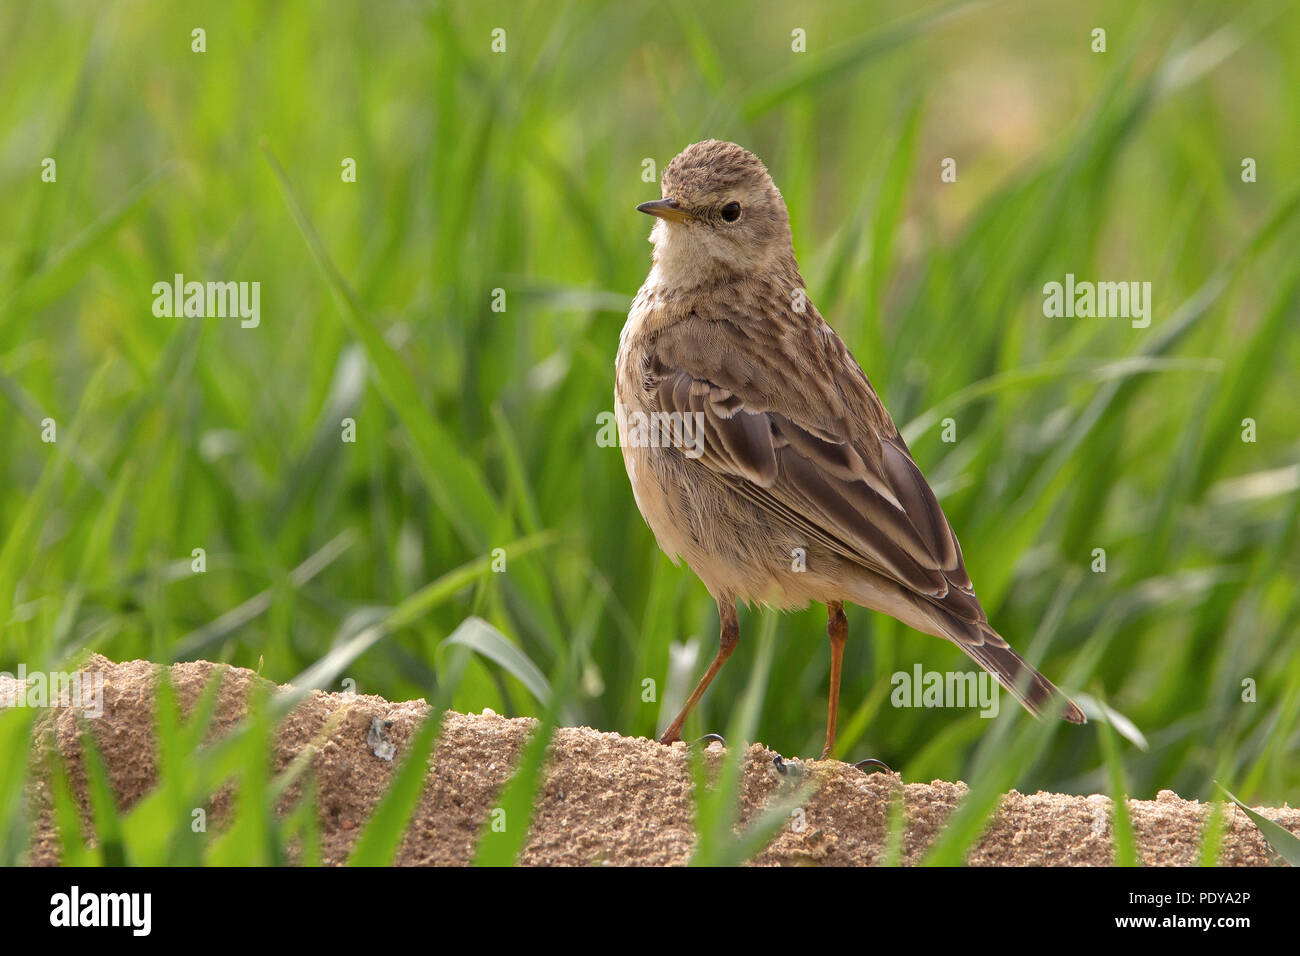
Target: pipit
769,464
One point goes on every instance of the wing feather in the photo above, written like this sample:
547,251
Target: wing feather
833,466
817,451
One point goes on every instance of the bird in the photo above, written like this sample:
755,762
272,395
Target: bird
757,449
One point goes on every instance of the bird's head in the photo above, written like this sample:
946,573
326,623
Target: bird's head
720,213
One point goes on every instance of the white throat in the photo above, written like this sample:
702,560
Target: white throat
686,256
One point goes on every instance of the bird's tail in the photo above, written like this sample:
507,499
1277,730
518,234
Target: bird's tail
1038,694
959,618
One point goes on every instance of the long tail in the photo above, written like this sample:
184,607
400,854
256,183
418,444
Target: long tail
1038,694
958,617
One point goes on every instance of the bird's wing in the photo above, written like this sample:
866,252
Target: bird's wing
791,422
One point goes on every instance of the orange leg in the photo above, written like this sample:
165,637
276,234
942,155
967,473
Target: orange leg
728,638
837,626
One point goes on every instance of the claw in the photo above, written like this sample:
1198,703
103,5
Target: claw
786,769
872,762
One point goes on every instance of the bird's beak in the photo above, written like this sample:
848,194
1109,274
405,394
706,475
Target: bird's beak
665,209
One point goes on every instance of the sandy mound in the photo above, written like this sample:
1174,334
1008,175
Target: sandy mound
606,798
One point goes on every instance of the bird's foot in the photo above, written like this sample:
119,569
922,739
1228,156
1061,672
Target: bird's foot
792,769
872,763
670,739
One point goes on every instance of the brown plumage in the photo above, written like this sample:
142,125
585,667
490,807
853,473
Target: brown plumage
794,450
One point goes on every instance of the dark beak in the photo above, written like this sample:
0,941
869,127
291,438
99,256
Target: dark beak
665,209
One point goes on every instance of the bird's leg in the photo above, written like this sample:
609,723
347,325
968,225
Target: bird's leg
837,626
728,638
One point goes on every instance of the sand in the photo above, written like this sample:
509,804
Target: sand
606,799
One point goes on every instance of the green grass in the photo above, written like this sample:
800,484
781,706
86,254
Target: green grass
475,429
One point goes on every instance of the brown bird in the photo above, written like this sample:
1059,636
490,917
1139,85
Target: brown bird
759,452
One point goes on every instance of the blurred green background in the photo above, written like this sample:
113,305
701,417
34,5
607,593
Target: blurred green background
476,428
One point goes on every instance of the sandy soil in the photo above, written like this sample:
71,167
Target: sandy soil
606,799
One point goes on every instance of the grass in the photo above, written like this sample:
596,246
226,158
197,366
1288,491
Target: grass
475,428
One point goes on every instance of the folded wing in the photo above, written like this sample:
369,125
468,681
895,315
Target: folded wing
821,454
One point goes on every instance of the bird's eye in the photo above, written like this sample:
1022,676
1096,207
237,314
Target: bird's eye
731,211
